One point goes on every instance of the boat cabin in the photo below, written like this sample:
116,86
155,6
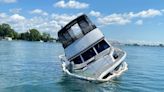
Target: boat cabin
82,41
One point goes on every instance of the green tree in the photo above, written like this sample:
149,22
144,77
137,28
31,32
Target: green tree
1,31
31,35
34,35
25,36
45,37
7,31
15,35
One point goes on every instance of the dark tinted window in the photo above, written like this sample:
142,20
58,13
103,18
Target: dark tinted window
101,46
88,54
77,60
84,26
67,38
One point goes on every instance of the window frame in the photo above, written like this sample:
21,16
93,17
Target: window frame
84,53
75,61
102,49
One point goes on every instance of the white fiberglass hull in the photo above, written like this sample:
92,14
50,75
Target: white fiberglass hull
123,67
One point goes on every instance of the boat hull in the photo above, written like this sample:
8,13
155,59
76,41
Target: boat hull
122,69
120,64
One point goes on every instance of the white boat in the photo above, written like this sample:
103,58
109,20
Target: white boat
88,54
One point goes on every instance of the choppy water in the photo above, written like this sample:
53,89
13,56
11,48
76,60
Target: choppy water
35,67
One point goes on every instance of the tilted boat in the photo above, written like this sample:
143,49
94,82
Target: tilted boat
88,54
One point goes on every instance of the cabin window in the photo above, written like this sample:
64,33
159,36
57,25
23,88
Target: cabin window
101,46
67,36
76,31
77,60
70,31
84,26
88,54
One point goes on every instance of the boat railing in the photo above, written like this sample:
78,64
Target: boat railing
119,53
63,58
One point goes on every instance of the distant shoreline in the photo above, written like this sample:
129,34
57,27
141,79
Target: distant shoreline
7,33
52,41
160,45
136,44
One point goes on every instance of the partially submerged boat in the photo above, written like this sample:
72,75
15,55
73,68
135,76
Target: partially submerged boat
88,54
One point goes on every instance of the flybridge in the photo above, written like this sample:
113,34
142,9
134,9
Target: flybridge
75,30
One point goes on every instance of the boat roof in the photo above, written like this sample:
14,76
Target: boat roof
65,28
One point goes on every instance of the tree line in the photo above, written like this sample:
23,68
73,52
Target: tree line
30,35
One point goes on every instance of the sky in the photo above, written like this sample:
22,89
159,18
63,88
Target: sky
120,20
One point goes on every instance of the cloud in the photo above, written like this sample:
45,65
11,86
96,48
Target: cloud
3,15
73,4
139,22
125,18
95,13
17,17
14,20
52,22
146,13
8,1
15,10
113,19
63,19
39,12
43,24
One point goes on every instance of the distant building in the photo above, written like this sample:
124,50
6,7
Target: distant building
41,41
8,38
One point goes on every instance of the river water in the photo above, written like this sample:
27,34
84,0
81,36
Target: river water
35,67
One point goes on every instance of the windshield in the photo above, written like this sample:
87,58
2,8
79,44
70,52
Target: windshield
101,46
75,32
